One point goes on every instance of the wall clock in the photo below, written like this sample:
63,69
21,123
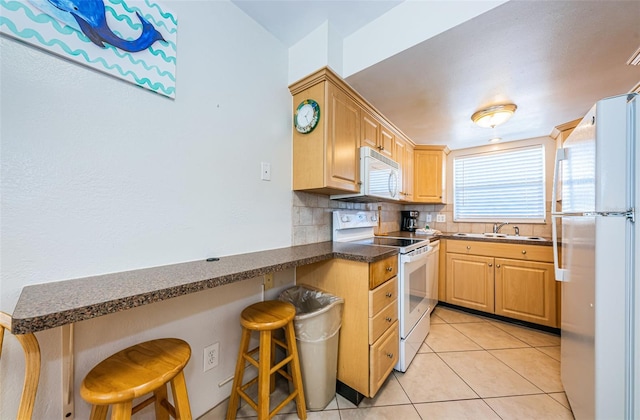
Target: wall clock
306,116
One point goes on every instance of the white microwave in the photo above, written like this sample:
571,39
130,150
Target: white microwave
379,176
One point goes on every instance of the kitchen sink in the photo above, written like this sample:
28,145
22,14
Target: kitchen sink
500,236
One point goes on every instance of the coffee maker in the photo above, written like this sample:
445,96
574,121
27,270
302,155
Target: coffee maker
409,220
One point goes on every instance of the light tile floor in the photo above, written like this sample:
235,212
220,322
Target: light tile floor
470,367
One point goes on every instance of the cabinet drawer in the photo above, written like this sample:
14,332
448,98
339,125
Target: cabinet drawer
526,252
383,357
382,296
383,270
383,320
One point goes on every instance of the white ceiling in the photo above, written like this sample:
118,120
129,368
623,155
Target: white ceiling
553,59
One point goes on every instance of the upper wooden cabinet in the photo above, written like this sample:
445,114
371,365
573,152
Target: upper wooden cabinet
377,136
430,166
404,156
327,159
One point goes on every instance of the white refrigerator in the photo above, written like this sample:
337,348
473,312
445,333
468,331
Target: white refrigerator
596,173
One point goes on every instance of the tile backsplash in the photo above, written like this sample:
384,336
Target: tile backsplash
312,218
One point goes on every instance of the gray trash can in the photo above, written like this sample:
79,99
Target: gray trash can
317,324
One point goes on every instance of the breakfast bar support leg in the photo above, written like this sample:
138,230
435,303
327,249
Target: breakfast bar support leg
67,372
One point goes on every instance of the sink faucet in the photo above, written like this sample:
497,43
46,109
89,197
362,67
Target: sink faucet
517,230
498,226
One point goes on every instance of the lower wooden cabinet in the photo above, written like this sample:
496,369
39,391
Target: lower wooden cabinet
526,290
511,280
470,281
369,336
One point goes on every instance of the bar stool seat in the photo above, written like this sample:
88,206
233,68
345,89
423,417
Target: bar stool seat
136,371
267,317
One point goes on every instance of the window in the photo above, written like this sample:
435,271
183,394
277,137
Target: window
505,186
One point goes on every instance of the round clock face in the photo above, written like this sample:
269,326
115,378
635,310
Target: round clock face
307,116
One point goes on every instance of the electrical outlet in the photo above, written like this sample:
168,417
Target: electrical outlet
441,218
268,281
429,217
211,356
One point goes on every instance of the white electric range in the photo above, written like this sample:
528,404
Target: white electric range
417,276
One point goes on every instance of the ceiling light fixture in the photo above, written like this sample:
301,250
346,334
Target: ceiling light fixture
495,140
494,115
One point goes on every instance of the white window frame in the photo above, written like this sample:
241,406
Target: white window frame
540,217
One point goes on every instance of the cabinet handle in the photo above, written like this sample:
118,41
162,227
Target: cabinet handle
390,355
497,265
468,247
490,265
389,269
389,319
524,251
389,294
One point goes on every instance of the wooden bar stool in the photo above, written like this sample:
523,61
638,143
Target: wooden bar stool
31,349
266,317
136,371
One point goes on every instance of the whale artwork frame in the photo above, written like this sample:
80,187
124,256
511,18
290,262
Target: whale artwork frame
133,40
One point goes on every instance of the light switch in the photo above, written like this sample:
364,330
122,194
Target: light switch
441,218
265,171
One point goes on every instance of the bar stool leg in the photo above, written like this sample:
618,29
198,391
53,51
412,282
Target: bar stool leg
264,375
234,399
121,411
161,395
180,397
99,412
295,370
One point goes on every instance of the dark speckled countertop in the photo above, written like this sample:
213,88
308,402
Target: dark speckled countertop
50,305
510,240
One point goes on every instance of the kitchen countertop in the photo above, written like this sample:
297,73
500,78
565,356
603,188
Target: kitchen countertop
50,305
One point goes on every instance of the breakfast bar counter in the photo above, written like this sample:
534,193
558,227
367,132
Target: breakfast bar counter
50,305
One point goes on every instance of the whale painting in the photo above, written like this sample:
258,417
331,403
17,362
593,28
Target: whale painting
134,40
91,19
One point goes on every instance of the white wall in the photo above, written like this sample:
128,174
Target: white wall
101,176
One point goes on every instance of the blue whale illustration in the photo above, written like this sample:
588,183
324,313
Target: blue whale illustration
89,17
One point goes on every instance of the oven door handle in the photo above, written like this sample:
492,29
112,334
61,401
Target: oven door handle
407,258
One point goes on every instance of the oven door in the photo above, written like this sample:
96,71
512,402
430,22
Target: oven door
416,296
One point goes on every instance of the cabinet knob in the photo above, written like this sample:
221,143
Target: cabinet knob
390,355
497,265
468,247
490,265
389,269
524,251
389,294
389,319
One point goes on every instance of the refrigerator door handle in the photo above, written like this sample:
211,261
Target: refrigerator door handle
555,216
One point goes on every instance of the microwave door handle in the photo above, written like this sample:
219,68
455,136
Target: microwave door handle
393,180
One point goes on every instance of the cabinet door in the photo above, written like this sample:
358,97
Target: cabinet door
428,179
387,142
383,357
370,131
343,141
470,281
526,290
407,172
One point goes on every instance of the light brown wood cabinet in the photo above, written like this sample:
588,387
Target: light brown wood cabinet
404,156
376,135
327,159
430,166
512,280
368,345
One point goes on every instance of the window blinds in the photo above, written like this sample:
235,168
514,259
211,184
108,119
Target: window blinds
500,186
